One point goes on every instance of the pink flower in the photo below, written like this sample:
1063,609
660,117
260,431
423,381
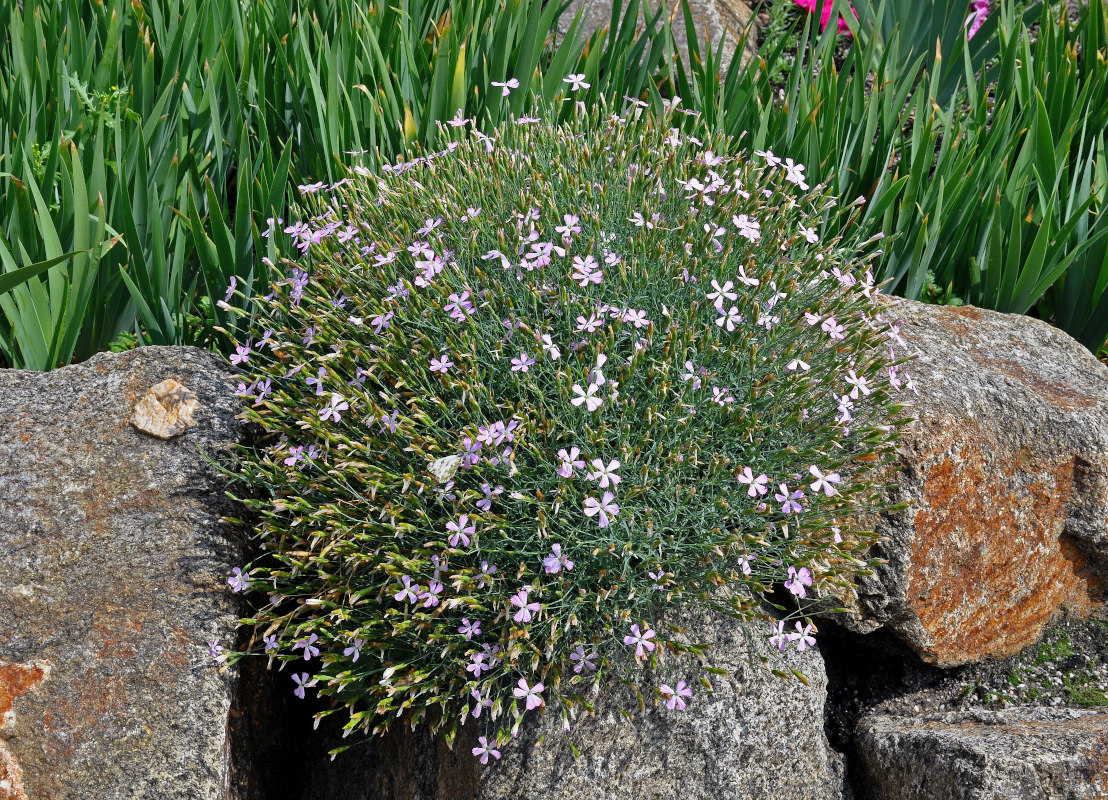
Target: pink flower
825,8
604,507
556,561
675,696
802,637
441,364
526,610
757,485
788,501
484,749
569,461
798,580
824,482
529,693
506,86
640,639
460,531
523,363
337,404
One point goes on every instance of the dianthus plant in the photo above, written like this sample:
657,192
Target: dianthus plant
524,395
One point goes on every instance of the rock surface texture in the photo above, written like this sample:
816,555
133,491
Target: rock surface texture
1006,471
113,578
757,736
719,19
1047,754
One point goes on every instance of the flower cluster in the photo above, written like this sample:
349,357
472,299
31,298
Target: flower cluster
523,395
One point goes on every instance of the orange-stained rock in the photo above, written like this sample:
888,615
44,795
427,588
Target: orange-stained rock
15,680
1006,471
113,567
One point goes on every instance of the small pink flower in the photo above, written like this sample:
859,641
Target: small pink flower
484,749
605,508
798,581
461,531
640,639
675,696
526,610
757,484
529,693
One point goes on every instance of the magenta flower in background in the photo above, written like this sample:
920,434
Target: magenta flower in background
825,8
506,86
977,18
270,642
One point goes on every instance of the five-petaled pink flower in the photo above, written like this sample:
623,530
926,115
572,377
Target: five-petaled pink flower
484,749
529,693
605,508
526,610
576,81
460,531
824,482
640,639
788,501
798,580
569,461
675,696
803,637
441,364
557,560
523,363
605,474
757,485
730,319
337,404
589,398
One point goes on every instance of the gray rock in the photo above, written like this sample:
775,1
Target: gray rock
1047,754
757,736
1006,472
724,20
113,575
